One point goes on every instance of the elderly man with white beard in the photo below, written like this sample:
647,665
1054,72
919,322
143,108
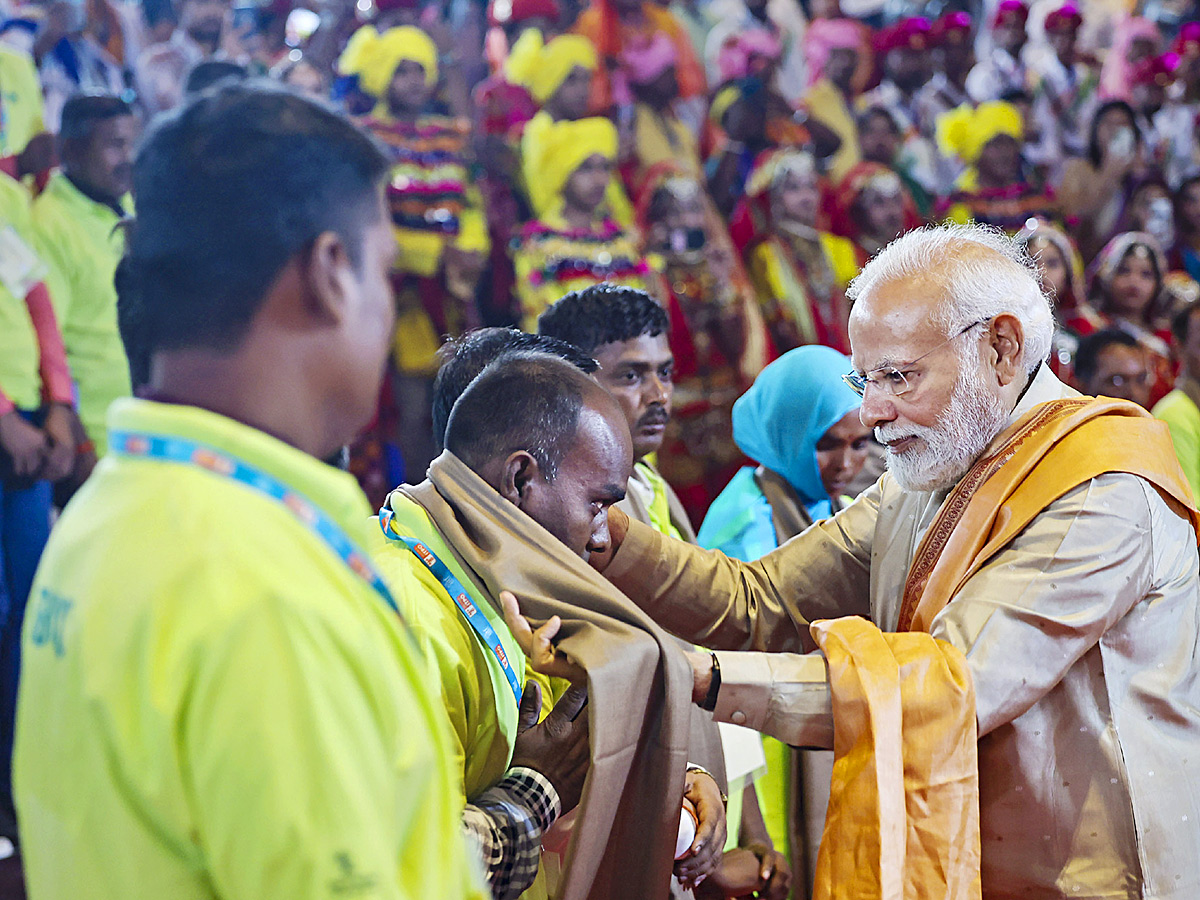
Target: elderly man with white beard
1041,545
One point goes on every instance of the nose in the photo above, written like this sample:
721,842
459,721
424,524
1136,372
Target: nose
845,460
656,390
877,407
598,542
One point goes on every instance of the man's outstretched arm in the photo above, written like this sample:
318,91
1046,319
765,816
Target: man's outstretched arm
725,604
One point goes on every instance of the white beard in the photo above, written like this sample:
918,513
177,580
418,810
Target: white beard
974,416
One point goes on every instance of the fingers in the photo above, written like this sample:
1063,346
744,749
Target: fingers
766,869
571,703
709,844
516,622
702,863
538,646
531,706
543,642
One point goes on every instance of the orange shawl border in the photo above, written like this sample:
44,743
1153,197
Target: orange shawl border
1049,451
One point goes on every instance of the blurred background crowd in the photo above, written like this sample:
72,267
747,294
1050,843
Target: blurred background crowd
738,159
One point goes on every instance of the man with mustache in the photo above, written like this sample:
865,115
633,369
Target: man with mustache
1047,541
76,219
626,332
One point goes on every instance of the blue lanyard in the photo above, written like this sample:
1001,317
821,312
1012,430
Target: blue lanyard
472,613
189,453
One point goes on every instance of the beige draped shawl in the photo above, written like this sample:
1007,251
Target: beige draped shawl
639,683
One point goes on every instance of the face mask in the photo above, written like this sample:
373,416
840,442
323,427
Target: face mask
1122,143
1160,221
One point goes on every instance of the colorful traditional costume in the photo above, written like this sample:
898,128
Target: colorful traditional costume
964,133
552,258
800,273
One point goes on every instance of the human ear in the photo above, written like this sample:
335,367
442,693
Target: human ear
1008,346
519,473
328,277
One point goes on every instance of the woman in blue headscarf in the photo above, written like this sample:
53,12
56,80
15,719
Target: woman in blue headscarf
799,422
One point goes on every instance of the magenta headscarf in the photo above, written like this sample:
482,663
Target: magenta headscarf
1116,73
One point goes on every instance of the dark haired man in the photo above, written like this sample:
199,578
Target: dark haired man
209,72
465,357
626,331
1112,363
530,431
218,697
76,221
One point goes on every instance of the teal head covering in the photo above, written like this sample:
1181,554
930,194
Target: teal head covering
790,406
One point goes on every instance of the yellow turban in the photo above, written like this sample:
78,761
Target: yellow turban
964,132
542,73
373,57
523,57
558,150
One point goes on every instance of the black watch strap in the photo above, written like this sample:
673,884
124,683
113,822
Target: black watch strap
710,699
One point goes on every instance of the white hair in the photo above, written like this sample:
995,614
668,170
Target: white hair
985,273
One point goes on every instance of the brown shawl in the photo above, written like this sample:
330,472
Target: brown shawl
639,683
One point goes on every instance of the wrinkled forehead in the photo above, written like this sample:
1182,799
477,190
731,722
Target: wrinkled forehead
893,321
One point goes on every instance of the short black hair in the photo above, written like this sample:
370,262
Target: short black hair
82,112
877,110
1087,357
521,401
1095,152
1016,95
465,357
1181,323
230,188
209,72
602,314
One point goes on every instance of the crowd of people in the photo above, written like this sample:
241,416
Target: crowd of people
629,269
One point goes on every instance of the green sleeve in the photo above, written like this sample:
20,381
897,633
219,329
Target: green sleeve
54,246
1184,424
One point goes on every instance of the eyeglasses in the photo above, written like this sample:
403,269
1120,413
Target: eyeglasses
890,379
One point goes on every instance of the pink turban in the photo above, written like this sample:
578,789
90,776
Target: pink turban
1116,73
824,35
740,50
646,60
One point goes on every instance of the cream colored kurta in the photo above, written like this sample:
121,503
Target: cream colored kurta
1081,636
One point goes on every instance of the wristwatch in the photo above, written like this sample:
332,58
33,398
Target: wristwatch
714,685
